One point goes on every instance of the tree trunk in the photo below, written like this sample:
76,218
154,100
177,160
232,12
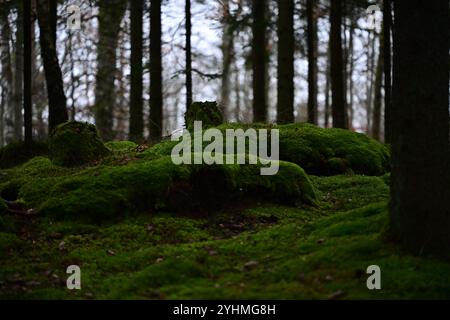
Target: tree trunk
156,96
419,208
110,17
351,63
57,110
387,23
377,101
286,41
18,74
370,76
227,58
337,67
6,76
27,48
327,91
259,60
136,128
188,54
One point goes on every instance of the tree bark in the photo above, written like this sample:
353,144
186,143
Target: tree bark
57,110
110,17
259,60
377,101
337,67
227,58
419,207
188,54
18,74
27,48
6,79
286,41
156,95
387,23
136,128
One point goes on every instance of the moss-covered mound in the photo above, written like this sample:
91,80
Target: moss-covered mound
75,143
332,151
105,192
121,146
18,152
317,150
208,112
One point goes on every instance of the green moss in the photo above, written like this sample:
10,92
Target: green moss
17,153
121,146
8,241
76,143
208,112
317,150
111,192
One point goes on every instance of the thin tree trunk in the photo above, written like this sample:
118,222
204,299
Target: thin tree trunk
419,207
6,80
27,48
387,23
18,74
259,61
188,54
376,123
227,58
327,91
337,67
136,129
57,110
370,80
110,17
286,41
156,95
351,63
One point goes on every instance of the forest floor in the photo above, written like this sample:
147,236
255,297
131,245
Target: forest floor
258,251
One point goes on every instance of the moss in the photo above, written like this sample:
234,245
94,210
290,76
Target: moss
121,146
111,192
208,112
303,253
317,150
76,143
8,241
17,153
3,207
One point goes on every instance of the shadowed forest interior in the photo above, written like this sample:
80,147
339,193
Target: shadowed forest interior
94,94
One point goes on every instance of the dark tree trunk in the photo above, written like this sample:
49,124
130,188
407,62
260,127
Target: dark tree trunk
312,60
387,23
286,40
337,67
27,38
156,96
327,91
259,60
57,110
377,100
6,79
188,54
419,208
136,128
18,74
110,17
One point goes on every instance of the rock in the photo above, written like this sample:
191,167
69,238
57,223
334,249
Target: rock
75,144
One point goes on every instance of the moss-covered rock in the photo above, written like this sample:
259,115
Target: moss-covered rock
107,192
17,153
121,146
332,151
76,143
208,112
317,150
